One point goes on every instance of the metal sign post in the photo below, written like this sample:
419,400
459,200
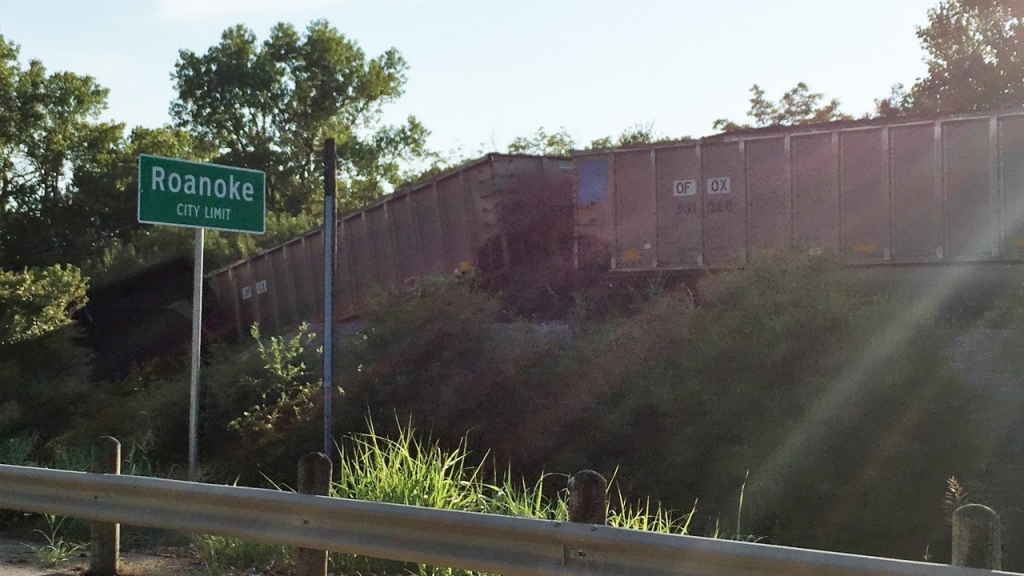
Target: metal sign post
197,337
330,174
194,195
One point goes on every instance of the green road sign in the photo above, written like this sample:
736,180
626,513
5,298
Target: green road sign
196,195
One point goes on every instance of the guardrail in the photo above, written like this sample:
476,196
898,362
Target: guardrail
483,542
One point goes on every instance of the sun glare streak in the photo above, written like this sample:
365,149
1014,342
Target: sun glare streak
876,464
844,396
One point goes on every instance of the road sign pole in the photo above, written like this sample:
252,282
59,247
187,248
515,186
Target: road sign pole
178,192
197,336
330,174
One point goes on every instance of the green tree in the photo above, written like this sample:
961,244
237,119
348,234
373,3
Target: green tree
639,133
46,122
797,106
97,206
561,143
898,103
270,106
45,373
49,125
105,185
541,143
35,302
974,60
67,180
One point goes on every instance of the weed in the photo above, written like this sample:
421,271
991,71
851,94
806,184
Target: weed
221,554
641,516
77,457
135,460
954,498
56,551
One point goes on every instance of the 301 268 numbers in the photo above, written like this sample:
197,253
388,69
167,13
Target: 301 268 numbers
713,207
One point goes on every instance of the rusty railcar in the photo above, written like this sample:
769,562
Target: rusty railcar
505,217
899,191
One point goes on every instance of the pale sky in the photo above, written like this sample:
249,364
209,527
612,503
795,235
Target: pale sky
482,73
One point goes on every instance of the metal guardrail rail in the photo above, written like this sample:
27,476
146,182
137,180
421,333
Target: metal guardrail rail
484,542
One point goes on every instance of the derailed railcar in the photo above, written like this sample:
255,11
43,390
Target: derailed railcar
504,217
904,191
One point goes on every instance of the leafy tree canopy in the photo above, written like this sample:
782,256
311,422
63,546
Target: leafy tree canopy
974,57
797,106
67,180
560,143
38,301
270,106
639,133
541,143
48,124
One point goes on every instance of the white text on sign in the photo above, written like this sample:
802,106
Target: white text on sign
718,185
209,212
684,188
202,186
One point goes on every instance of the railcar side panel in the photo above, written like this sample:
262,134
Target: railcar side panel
770,216
428,225
410,260
635,215
384,259
972,217
264,293
1011,171
246,296
305,289
284,284
363,276
864,193
917,199
679,207
815,173
592,214
723,193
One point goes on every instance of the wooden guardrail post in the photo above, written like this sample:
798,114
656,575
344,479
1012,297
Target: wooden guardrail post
587,498
314,478
977,540
105,545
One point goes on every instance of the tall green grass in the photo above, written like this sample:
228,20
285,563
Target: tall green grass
408,469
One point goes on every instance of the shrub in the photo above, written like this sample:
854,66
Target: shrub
685,398
17,450
284,385
258,395
45,382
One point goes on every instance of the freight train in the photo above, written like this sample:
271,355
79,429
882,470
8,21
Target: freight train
882,192
506,218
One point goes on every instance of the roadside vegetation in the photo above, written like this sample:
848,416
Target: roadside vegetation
819,397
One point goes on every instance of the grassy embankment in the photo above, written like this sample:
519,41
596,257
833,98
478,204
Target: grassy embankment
837,398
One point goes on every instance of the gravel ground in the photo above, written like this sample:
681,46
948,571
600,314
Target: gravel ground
17,559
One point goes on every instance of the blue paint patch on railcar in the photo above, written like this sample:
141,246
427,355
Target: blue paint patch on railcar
593,180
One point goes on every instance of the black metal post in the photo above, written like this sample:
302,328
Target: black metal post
330,184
